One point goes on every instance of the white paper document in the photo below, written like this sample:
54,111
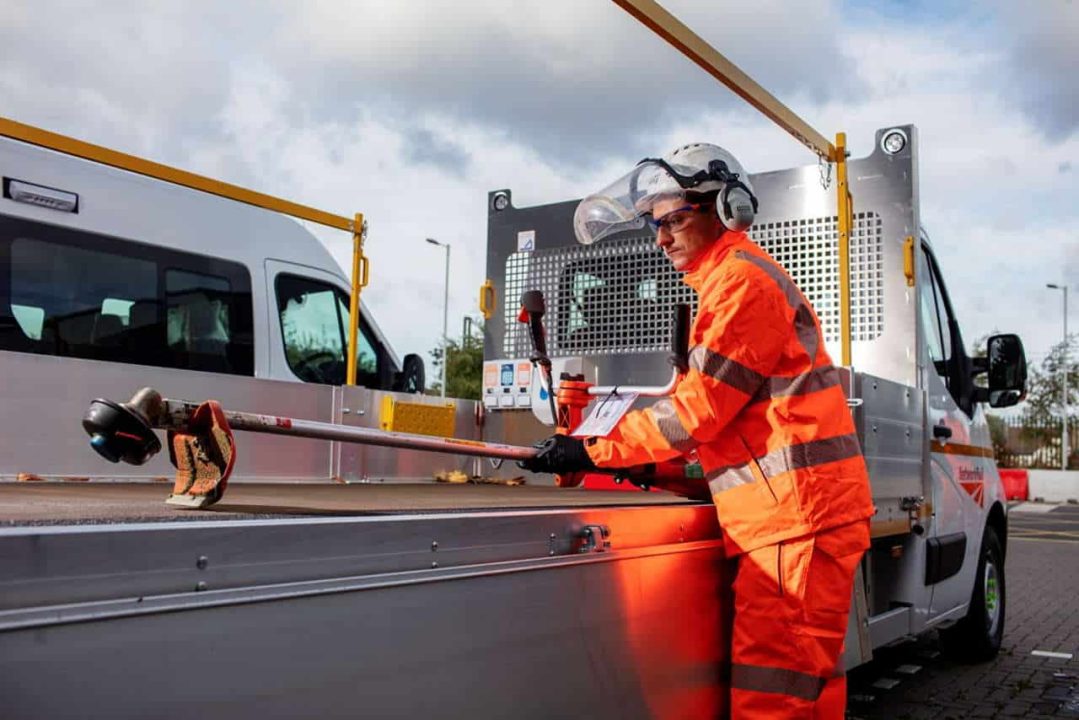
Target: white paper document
605,415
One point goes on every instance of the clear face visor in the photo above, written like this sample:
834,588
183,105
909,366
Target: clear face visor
626,203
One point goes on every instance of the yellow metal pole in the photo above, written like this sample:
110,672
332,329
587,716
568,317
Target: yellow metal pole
359,281
845,221
131,163
671,29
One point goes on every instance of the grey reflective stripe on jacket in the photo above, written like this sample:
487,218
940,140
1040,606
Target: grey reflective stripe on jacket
726,370
808,382
671,427
759,387
804,326
785,459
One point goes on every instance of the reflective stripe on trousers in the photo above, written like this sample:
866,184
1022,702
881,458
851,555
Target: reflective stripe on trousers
791,602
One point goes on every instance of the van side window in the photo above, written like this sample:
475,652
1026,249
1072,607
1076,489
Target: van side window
366,357
943,339
933,320
314,328
78,294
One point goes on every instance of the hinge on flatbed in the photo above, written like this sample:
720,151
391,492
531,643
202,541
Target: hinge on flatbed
912,505
594,539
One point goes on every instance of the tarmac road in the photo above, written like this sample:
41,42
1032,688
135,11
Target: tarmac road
1042,614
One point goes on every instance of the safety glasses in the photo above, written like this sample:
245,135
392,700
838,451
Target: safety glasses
676,219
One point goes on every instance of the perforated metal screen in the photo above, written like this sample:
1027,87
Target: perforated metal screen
617,297
808,248
611,298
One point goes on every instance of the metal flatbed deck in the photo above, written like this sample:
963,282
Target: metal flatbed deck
70,503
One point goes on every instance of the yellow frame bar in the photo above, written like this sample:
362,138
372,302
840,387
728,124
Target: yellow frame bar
360,270
844,209
691,45
675,32
131,163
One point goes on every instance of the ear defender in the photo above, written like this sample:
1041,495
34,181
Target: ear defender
736,206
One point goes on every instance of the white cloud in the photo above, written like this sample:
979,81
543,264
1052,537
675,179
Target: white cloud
1042,54
412,112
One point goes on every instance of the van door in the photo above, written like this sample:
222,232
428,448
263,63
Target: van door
957,462
308,333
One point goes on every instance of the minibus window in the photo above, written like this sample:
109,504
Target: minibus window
197,320
78,294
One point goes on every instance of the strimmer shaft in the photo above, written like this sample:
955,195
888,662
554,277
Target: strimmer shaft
370,436
202,449
177,414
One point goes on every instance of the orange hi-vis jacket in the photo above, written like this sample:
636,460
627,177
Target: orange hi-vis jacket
761,407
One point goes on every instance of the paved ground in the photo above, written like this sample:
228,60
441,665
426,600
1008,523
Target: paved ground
1042,613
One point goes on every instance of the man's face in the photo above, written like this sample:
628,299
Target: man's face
684,234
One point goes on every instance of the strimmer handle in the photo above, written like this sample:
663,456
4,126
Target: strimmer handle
533,308
679,357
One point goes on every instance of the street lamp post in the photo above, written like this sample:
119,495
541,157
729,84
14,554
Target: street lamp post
445,313
1064,433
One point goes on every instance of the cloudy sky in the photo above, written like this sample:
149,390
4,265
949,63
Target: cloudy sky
411,111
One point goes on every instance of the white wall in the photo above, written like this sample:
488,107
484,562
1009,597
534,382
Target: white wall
1054,485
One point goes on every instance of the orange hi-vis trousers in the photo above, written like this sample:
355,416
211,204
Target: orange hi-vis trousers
791,602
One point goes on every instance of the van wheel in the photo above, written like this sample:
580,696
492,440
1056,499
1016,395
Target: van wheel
977,637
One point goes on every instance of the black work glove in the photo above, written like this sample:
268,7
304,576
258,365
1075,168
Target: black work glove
559,454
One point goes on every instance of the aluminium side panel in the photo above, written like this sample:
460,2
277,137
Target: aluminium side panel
362,407
479,615
890,420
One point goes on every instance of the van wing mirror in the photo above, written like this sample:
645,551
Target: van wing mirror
413,376
1007,368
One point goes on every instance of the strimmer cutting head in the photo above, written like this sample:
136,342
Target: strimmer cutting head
122,431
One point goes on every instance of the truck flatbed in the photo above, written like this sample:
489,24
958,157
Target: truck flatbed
403,600
77,503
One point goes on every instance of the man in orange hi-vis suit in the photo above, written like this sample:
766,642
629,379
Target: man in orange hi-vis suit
761,408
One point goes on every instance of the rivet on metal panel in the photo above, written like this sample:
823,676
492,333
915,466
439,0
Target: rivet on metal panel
874,427
200,586
552,539
434,564
434,546
202,562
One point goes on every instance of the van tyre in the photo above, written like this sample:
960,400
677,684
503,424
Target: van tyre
977,637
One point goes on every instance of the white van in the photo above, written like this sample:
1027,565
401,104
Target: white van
109,278
102,264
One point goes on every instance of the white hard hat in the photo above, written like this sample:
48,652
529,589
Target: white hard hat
697,168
